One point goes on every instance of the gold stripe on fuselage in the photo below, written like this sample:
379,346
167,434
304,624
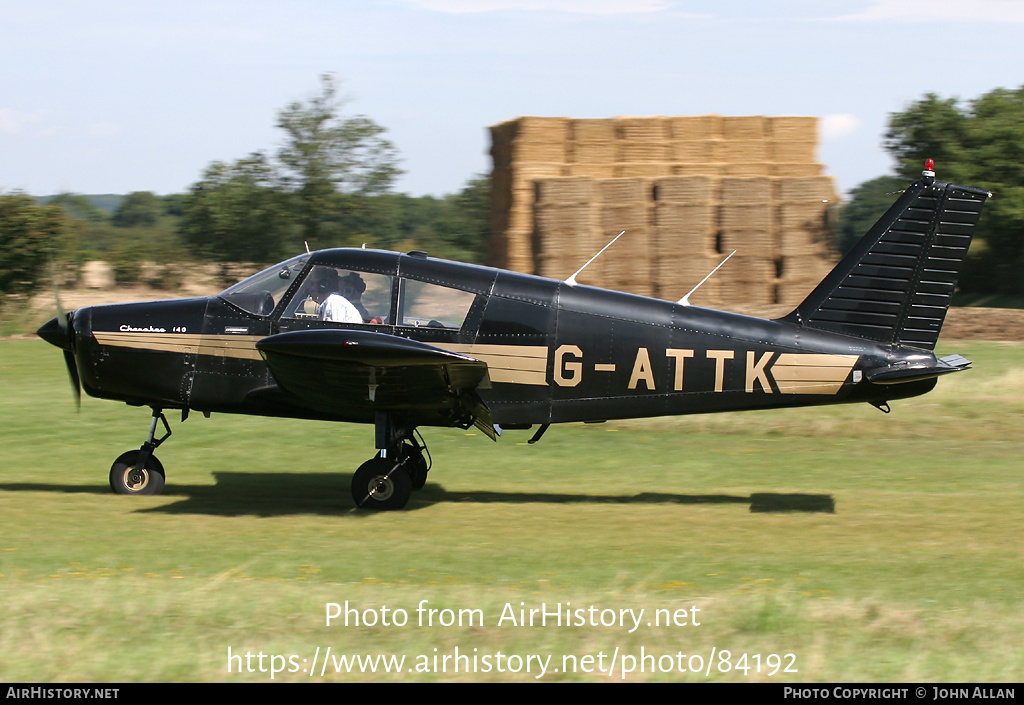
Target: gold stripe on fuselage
511,364
802,373
239,346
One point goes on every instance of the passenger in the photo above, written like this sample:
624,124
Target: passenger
352,288
333,306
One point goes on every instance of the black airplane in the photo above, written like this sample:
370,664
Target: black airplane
405,340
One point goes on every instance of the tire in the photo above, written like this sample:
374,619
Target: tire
152,475
380,484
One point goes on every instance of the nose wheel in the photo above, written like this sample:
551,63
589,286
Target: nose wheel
130,476
138,471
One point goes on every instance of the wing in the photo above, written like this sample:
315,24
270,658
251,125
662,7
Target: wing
352,374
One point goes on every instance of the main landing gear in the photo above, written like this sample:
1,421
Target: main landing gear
387,480
139,471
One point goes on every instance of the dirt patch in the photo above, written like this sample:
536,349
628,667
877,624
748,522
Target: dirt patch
984,324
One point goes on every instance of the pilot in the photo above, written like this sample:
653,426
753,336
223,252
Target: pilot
352,288
333,306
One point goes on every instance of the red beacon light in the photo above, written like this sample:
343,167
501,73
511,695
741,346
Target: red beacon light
929,167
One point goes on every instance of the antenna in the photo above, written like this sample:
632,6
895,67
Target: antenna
685,301
307,246
571,281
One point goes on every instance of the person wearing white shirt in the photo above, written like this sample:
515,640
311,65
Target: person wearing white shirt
333,306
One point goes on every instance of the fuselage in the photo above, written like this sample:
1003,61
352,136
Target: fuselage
555,352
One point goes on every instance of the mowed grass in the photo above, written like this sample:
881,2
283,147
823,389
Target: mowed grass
871,547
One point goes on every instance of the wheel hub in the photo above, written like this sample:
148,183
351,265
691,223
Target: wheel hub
135,479
381,488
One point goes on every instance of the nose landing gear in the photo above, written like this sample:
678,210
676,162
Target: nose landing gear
139,472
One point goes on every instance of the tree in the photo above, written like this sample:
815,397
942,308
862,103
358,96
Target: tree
31,236
473,218
79,207
328,159
979,144
138,208
238,212
324,174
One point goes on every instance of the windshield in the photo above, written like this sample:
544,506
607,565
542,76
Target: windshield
261,292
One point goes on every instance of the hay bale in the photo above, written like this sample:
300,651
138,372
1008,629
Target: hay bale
557,219
684,218
748,243
746,169
692,151
759,217
687,189
800,152
737,151
694,127
630,190
522,152
806,189
648,129
626,170
807,216
642,152
743,129
795,169
631,217
597,171
747,190
703,169
592,130
593,153
793,129
568,189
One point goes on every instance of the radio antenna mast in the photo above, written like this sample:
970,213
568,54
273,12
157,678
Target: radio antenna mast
571,281
685,301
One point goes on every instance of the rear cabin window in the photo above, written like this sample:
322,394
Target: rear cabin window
432,305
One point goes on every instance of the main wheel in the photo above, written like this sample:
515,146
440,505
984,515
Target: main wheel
380,483
124,479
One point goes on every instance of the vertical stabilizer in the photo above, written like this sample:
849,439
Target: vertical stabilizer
896,284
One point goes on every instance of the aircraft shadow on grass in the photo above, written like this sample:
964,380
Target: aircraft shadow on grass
281,494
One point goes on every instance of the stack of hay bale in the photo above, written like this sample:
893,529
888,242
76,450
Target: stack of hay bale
687,191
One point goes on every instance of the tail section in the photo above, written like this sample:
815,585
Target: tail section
895,286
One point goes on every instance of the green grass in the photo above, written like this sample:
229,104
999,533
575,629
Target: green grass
873,547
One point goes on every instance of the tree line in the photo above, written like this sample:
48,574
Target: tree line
330,185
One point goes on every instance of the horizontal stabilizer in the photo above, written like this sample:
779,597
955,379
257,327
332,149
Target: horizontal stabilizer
900,374
896,284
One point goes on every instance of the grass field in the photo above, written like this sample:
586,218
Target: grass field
870,547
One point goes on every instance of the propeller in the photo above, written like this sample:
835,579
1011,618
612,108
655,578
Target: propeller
60,331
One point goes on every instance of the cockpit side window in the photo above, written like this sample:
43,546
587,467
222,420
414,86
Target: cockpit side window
342,296
432,305
261,293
